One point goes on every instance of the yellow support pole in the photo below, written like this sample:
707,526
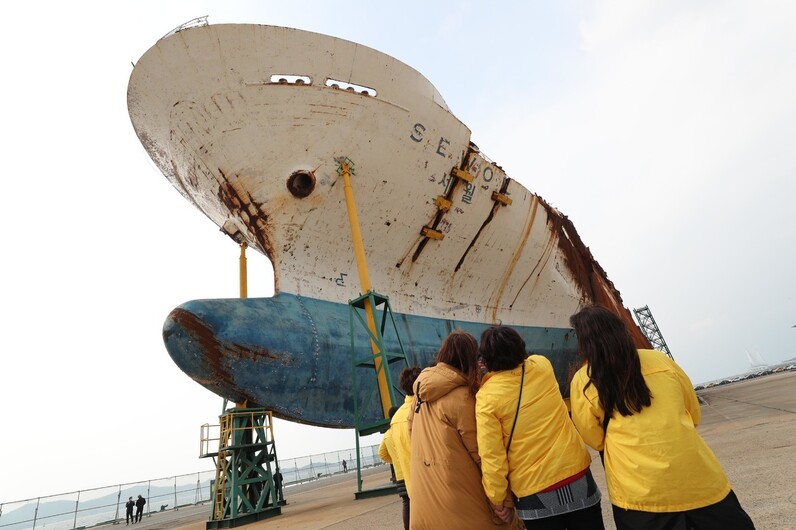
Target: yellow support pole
244,292
364,280
243,274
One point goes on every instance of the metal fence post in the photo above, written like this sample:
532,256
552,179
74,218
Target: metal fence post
77,502
36,513
118,500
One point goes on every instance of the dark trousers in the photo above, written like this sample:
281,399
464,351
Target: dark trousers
139,512
590,518
405,501
130,516
725,514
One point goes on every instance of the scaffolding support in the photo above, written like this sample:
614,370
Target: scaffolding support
345,169
247,486
381,361
650,329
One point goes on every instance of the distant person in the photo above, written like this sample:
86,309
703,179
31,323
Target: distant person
130,505
528,445
445,467
399,425
278,484
345,467
640,409
139,508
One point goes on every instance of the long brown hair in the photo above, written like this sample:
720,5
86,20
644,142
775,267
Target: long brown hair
614,368
460,350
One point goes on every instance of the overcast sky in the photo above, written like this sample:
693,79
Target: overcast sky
665,130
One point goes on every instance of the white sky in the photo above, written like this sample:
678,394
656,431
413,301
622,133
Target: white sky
665,130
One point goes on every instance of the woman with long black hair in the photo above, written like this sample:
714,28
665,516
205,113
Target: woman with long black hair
640,409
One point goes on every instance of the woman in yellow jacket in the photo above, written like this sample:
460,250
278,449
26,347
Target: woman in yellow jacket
387,451
640,409
399,429
531,451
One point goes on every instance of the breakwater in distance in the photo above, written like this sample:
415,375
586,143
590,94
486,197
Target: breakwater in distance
785,366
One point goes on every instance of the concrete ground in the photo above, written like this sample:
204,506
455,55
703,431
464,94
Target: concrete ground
750,425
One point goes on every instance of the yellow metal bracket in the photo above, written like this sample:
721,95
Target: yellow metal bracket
462,174
503,199
431,233
443,203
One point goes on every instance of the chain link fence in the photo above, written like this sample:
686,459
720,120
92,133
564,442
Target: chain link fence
101,506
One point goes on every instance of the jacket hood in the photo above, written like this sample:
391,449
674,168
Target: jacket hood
437,381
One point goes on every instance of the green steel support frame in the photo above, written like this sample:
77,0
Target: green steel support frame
250,491
385,358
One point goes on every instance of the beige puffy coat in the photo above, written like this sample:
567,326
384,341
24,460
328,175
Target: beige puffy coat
444,463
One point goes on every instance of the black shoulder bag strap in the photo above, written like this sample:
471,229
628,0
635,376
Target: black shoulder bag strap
516,415
519,400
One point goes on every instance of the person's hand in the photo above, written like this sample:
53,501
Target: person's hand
504,513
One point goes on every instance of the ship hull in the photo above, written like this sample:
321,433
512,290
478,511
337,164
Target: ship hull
306,372
254,124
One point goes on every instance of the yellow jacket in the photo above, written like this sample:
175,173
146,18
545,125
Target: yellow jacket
545,448
388,453
399,427
655,461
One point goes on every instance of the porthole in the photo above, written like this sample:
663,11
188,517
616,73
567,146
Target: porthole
301,184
